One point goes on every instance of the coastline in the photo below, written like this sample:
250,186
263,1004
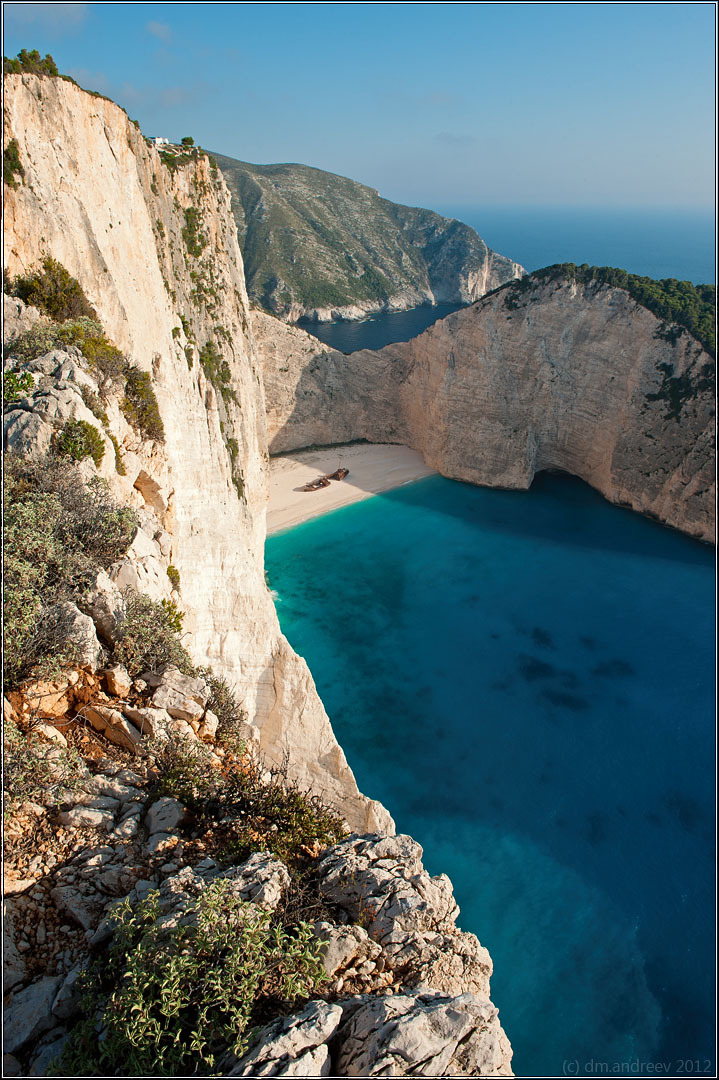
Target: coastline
373,468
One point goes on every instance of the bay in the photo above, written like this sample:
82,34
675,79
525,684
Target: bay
526,681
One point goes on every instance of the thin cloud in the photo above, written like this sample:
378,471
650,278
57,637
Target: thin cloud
52,18
159,30
90,80
451,138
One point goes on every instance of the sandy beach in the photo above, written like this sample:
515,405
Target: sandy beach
373,467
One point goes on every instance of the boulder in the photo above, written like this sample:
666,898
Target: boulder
291,1046
208,726
345,946
29,1013
262,879
182,696
78,632
83,908
117,680
68,998
164,815
104,604
152,723
113,725
86,817
13,963
18,318
421,1035
51,698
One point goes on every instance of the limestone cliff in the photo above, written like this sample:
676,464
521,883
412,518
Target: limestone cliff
321,246
568,376
156,253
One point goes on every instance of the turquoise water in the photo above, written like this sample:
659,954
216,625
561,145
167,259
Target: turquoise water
526,681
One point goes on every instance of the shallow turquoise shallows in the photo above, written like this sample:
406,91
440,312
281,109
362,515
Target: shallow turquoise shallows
526,681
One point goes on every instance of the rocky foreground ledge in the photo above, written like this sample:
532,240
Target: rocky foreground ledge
403,990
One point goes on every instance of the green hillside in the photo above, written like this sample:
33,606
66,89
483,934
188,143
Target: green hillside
316,240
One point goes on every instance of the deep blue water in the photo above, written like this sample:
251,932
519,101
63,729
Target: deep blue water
526,681
374,332
655,243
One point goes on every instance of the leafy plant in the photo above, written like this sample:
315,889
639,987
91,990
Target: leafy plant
59,531
87,334
217,370
54,291
140,404
149,636
195,240
79,439
227,708
171,999
174,575
16,384
12,166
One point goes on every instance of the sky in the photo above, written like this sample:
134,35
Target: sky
527,103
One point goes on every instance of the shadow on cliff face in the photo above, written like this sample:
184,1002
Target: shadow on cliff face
566,512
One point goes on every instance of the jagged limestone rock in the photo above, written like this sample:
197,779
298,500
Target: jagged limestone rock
291,1046
421,1035
29,1013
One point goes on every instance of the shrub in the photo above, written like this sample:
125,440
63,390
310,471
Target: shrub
16,384
59,531
174,575
87,334
94,405
217,370
79,439
169,1000
140,404
226,707
12,166
185,770
54,291
119,463
149,636
195,240
260,815
188,141
33,770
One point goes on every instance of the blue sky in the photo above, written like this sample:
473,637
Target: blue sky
544,104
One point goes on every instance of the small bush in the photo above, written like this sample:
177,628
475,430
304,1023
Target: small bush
226,707
59,531
16,384
119,463
185,770
33,770
217,370
12,166
87,334
174,575
94,405
54,291
79,439
277,816
195,240
140,404
149,636
170,1000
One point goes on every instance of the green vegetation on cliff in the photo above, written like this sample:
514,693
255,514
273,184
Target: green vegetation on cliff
679,304
315,240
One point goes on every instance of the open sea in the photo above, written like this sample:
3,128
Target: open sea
652,243
525,680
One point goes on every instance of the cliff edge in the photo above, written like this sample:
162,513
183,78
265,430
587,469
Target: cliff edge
559,374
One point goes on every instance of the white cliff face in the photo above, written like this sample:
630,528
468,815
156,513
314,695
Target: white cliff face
98,199
570,377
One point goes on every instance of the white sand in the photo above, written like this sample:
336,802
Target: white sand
373,467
